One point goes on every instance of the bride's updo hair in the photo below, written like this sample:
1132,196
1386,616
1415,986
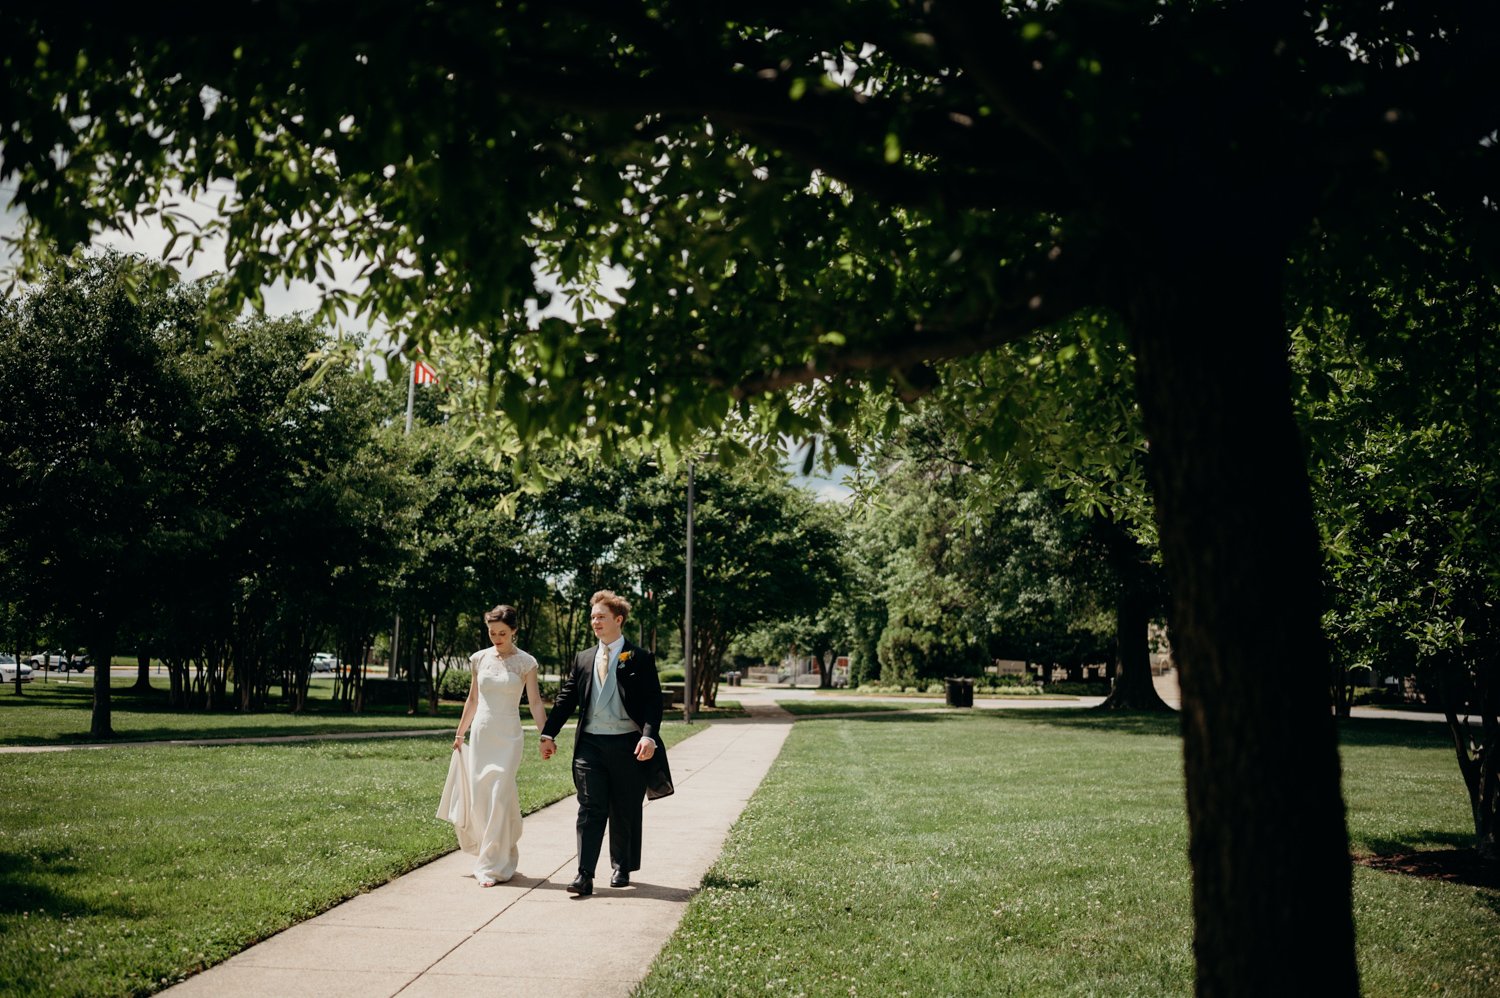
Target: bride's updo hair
503,613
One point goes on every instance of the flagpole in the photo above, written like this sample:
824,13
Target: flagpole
411,400
411,395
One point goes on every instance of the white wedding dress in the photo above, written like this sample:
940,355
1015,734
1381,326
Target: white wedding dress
480,797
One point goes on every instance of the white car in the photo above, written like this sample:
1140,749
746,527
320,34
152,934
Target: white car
8,667
59,661
325,661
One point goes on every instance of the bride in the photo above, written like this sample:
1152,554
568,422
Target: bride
480,797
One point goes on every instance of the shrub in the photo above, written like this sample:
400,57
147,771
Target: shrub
670,675
914,656
1376,694
1094,689
1007,681
455,684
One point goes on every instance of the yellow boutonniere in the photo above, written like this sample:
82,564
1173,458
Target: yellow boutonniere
625,656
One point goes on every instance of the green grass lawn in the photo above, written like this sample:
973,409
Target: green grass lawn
1038,853
723,710
975,853
122,871
58,712
815,708
1058,691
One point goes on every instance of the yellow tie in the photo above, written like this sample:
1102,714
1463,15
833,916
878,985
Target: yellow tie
601,664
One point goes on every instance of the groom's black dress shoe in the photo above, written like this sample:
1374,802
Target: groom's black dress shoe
620,878
582,885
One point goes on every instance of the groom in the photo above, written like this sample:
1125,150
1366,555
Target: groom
615,688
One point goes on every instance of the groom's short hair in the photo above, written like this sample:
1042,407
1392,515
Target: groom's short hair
618,606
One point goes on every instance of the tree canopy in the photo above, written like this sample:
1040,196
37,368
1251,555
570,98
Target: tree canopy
835,194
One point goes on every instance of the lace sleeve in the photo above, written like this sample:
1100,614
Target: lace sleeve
528,665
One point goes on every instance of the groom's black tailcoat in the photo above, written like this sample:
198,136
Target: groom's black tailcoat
611,781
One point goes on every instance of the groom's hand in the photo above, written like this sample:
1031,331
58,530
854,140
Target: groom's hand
645,749
548,747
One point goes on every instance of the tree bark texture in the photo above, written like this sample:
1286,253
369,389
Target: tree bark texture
709,643
1478,753
142,674
1137,595
1134,688
1267,838
100,725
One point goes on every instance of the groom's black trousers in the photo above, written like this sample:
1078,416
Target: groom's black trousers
611,786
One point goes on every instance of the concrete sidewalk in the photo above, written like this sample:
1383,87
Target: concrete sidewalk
436,932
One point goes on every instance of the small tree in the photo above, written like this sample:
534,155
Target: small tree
1396,357
762,550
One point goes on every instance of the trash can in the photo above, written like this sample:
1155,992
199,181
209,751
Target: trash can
960,692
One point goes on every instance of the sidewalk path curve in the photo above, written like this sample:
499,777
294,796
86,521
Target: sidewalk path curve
434,932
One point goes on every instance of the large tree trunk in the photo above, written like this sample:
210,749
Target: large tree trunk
1134,688
142,674
100,728
1137,595
1342,690
1269,849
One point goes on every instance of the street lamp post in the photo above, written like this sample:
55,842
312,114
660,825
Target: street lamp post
687,615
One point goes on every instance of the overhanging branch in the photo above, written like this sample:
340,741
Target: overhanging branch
923,343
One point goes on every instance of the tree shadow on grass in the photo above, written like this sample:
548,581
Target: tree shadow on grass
1378,732
22,888
1427,838
1148,723
1453,865
1375,732
720,882
878,717
134,736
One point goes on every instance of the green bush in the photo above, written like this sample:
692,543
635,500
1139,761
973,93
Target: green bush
455,684
670,675
1376,694
1005,682
1095,689
915,656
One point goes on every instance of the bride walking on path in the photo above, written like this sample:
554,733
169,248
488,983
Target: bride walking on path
480,797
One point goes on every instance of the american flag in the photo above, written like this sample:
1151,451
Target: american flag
422,374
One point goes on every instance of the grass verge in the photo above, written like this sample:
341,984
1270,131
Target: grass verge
721,711
122,872
1011,853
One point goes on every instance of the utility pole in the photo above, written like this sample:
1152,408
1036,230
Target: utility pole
687,615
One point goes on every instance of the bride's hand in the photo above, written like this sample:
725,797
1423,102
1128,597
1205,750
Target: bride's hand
458,742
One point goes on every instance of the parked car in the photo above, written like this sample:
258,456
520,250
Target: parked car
60,661
9,667
325,661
